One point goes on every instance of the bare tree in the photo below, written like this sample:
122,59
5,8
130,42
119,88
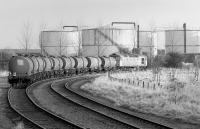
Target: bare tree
42,27
197,65
26,36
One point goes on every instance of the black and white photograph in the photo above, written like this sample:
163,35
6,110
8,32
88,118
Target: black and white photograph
99,64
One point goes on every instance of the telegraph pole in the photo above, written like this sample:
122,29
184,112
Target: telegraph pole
184,33
138,36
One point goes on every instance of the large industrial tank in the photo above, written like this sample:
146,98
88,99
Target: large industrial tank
105,41
150,42
175,41
58,43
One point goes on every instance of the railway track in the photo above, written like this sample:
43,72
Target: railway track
58,104
135,122
20,102
47,99
148,120
137,119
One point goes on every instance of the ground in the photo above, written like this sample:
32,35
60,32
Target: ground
9,119
176,97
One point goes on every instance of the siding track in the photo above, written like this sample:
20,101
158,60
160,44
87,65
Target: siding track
61,104
22,105
133,118
134,122
47,99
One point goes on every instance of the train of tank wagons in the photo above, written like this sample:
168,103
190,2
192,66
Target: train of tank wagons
27,69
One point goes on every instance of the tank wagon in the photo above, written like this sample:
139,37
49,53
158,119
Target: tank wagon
94,64
24,70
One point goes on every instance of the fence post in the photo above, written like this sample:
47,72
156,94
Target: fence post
184,30
129,81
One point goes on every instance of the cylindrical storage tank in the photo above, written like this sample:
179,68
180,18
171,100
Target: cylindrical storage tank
99,61
31,63
52,63
56,63
48,64
85,62
20,66
41,63
105,62
73,63
92,62
61,63
66,62
70,42
78,62
35,63
112,62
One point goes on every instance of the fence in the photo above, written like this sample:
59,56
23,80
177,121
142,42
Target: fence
136,82
167,75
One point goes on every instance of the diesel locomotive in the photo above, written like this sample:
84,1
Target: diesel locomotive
26,69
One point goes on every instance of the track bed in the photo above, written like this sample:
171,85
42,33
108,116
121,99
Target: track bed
59,87
22,105
43,96
144,120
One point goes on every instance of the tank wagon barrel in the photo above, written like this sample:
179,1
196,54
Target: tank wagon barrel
94,64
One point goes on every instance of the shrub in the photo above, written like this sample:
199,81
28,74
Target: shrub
173,60
4,58
189,58
158,61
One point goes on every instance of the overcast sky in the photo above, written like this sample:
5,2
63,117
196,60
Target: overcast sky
14,13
